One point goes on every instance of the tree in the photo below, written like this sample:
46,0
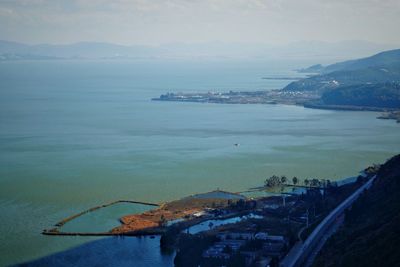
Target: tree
295,180
273,181
283,179
241,204
315,182
306,182
328,183
162,221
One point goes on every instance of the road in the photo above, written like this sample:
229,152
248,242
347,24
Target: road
332,229
301,253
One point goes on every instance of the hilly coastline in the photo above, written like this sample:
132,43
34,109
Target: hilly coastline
371,83
370,234
383,58
379,68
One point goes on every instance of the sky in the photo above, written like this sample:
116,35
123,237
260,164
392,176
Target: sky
191,21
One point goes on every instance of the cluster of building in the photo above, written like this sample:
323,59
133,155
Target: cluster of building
233,243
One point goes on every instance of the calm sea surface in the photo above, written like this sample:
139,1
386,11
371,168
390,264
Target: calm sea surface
77,134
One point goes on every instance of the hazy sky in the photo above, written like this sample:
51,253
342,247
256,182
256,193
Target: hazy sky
158,21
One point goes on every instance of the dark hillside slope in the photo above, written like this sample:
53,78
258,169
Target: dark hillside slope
386,95
380,59
322,83
371,232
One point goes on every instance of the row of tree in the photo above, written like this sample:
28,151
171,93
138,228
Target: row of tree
276,181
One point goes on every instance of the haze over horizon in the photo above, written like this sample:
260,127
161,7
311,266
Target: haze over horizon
178,21
151,132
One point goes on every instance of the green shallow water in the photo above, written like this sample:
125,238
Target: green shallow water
103,219
77,134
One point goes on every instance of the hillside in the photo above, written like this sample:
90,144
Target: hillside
371,234
322,83
366,83
386,95
14,51
380,59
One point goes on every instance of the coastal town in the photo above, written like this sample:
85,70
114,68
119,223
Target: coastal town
243,97
308,99
270,229
221,228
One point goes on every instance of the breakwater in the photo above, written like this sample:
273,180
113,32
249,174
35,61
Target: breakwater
56,230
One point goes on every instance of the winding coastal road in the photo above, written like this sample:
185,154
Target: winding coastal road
303,254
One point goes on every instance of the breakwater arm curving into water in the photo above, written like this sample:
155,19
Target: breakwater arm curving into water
55,231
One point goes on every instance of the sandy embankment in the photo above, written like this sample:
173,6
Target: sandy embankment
167,212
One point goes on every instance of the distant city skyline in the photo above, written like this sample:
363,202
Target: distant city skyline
193,21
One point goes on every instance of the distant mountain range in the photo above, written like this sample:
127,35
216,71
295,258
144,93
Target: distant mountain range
372,82
381,59
323,51
88,50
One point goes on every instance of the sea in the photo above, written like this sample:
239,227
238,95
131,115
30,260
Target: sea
78,133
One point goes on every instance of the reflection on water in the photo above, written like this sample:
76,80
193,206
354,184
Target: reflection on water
207,225
114,251
217,194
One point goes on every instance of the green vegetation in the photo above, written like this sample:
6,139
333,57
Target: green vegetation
291,219
274,181
337,79
371,83
371,234
280,181
317,68
386,95
380,59
367,83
